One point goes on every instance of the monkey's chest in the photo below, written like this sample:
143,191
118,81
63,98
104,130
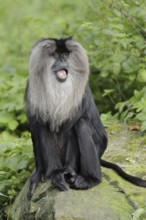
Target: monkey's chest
60,141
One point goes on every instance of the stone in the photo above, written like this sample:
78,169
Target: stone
113,199
100,202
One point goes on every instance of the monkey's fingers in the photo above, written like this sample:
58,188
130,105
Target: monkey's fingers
32,187
58,180
70,175
69,171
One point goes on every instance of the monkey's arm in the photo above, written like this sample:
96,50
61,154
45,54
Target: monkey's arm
90,171
47,157
99,133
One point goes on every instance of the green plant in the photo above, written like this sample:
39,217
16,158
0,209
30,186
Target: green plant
11,104
16,165
134,108
114,34
108,119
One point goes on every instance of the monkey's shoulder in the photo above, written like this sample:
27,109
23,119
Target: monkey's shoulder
89,108
88,101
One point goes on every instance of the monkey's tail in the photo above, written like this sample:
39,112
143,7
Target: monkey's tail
135,180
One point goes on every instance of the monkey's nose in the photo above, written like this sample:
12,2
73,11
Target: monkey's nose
62,58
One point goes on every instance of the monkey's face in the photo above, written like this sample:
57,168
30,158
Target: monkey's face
61,59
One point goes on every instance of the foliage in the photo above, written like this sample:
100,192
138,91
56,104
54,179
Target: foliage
117,50
15,166
11,105
135,108
108,119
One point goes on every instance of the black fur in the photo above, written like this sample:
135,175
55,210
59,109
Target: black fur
73,153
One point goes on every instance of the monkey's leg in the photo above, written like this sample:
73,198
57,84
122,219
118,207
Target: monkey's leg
54,168
71,152
90,170
70,156
70,162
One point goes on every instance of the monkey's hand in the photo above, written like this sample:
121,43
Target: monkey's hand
61,177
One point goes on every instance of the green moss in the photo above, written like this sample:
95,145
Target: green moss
113,198
139,214
143,142
118,158
114,128
128,150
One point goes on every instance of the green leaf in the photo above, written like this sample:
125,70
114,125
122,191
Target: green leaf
143,126
12,163
129,115
1,194
142,75
107,92
12,124
22,164
108,119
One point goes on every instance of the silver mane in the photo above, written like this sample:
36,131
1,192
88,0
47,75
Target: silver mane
52,101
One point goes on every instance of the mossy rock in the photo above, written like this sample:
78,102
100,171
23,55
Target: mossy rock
100,202
113,199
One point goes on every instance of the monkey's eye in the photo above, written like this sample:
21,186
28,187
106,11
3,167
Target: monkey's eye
52,54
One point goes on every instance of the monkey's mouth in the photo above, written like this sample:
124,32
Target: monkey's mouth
62,75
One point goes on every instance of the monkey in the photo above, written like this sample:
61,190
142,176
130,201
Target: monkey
68,136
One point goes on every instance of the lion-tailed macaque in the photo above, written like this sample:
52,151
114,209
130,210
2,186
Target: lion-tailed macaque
67,133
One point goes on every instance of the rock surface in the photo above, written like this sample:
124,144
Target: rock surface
113,199
101,202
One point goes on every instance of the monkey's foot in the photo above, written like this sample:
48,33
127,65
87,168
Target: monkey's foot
80,182
60,177
36,177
